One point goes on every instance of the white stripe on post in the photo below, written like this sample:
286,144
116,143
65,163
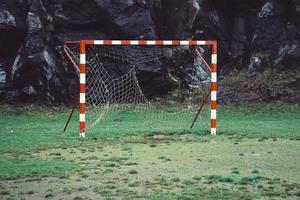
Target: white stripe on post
184,42
201,42
134,42
167,42
151,42
214,95
82,59
214,59
82,97
98,42
82,117
213,77
116,42
213,114
82,78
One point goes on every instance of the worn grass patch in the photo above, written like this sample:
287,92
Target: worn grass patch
196,193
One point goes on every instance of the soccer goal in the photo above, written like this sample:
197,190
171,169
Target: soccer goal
112,86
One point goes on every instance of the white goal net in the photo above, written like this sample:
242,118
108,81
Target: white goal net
118,96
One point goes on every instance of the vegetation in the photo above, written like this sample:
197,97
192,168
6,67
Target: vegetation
255,155
271,84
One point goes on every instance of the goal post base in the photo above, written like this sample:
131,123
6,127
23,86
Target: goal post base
213,131
82,135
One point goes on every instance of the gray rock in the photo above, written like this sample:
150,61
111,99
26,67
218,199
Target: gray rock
34,23
2,76
12,14
29,90
266,10
16,64
7,19
288,56
255,65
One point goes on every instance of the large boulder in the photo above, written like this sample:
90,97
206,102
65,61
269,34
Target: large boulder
269,24
276,36
12,32
121,19
34,71
173,18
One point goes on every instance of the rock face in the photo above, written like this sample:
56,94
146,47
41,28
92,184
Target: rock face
252,35
276,35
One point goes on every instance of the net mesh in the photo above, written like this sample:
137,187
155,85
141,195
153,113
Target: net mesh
114,97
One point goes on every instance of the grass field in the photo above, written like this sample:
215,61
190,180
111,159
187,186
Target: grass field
256,155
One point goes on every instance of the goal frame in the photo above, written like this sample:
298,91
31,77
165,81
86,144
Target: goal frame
82,71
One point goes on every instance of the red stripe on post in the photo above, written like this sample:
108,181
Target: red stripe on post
214,49
107,42
82,68
82,88
159,42
175,42
213,123
87,42
213,67
82,47
192,42
125,42
142,42
82,108
210,42
213,105
82,127
213,86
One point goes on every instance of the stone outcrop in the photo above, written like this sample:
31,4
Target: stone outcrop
252,35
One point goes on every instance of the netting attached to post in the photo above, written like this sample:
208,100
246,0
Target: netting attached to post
113,97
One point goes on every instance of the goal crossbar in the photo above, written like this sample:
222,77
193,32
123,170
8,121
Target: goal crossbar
83,64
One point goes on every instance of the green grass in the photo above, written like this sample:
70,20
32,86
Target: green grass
13,169
34,127
255,154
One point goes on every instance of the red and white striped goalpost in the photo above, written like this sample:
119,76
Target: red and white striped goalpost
82,68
